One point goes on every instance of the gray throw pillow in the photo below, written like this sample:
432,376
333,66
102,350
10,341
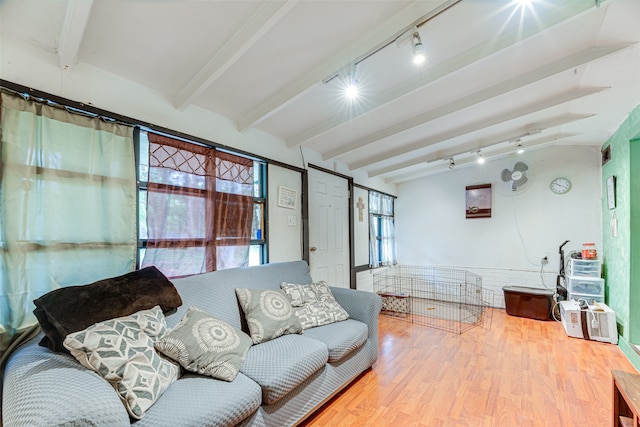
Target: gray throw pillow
268,314
206,345
121,351
314,304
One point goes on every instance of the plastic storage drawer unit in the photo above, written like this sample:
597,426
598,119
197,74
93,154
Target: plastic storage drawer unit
533,303
585,267
586,288
586,285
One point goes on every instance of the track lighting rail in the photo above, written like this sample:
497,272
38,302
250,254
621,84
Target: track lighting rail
416,24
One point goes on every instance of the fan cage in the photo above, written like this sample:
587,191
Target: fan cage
448,299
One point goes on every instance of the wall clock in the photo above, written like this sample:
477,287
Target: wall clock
560,185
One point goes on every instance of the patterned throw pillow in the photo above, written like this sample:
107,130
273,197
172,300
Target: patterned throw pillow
121,351
268,314
314,304
206,345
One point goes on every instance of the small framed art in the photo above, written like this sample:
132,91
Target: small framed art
287,197
478,201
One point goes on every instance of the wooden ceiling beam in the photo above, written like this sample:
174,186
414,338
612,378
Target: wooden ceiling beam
265,17
367,43
567,63
72,32
442,167
467,129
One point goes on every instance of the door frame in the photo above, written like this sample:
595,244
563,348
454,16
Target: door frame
305,217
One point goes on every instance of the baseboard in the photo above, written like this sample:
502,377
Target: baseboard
630,352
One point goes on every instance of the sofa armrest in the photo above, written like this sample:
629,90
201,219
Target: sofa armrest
361,305
42,388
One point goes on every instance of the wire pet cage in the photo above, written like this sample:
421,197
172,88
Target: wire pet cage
442,298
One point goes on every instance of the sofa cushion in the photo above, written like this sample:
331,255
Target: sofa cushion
280,365
340,338
314,304
196,400
121,351
268,314
74,308
206,345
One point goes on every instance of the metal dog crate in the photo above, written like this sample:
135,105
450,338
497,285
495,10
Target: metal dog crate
442,298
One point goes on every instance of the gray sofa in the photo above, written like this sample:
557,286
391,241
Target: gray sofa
281,381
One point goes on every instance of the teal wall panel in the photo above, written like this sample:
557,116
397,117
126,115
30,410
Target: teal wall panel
620,253
634,250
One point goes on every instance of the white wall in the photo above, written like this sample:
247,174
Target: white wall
361,227
505,249
284,227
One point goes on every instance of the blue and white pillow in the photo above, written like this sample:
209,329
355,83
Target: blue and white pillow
122,352
268,314
314,304
206,345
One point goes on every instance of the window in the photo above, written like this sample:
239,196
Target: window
200,208
67,203
258,248
382,236
76,204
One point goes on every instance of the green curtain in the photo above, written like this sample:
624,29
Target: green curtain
67,204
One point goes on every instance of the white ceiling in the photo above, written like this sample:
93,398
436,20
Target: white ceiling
555,72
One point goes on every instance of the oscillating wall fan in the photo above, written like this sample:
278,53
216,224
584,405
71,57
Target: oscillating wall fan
516,177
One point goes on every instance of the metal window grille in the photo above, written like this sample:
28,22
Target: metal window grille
442,298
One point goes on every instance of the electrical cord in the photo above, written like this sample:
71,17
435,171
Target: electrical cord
542,276
556,303
515,220
304,163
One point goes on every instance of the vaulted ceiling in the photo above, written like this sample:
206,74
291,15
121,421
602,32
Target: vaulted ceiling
497,73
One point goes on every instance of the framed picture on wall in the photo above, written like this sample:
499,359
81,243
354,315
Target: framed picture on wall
478,201
611,192
287,197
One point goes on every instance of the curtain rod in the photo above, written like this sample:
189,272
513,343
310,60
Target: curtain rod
67,108
110,116
364,187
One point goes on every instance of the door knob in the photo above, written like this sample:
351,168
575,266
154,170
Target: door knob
313,249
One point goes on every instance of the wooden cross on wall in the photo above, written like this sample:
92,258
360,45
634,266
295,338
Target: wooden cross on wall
360,205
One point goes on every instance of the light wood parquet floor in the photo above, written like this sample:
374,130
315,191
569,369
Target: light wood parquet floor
520,372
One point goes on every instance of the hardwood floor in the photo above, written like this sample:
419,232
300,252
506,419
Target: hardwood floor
521,372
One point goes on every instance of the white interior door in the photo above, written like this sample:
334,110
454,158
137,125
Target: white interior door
329,228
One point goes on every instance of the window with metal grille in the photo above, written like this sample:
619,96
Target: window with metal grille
200,208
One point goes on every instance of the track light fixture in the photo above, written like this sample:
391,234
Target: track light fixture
352,85
452,163
519,148
480,157
419,54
